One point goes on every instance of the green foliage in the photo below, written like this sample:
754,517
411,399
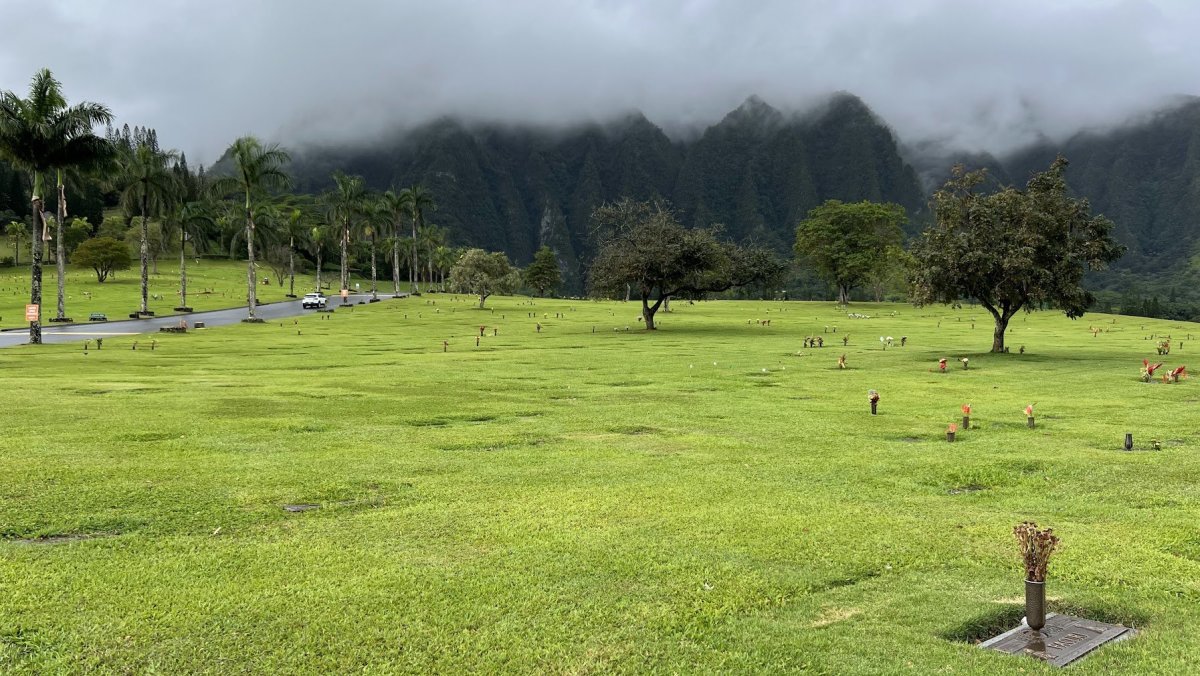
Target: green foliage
112,226
646,250
848,243
543,273
483,274
1012,249
104,255
75,234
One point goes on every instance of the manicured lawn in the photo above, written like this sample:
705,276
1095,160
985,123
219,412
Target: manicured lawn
212,285
710,497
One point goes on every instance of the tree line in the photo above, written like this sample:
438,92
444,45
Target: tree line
1008,250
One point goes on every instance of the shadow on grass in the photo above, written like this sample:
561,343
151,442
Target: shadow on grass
1004,616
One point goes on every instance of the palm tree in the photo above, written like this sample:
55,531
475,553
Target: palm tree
377,219
348,201
257,170
396,207
443,260
193,219
432,236
419,201
40,134
148,185
295,228
318,240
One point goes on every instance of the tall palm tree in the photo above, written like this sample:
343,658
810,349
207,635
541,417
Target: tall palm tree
194,220
432,236
40,134
319,239
257,169
148,185
395,205
419,202
296,229
443,260
348,201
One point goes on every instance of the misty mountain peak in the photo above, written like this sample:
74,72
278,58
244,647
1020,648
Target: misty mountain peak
754,111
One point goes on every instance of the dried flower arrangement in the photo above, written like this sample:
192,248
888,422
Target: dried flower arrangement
1036,547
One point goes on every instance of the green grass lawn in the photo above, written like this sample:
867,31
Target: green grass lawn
212,285
710,497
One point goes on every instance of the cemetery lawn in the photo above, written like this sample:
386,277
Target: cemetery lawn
213,284
710,497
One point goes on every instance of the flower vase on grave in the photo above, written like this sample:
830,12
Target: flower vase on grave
1035,604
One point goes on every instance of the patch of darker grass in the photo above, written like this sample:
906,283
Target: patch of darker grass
847,581
148,436
634,430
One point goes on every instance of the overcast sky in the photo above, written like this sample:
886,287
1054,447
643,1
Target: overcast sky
974,74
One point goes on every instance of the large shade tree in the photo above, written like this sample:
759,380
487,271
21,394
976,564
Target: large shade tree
257,170
644,248
40,134
482,273
1012,250
847,242
148,187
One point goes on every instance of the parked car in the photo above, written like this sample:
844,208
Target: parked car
313,300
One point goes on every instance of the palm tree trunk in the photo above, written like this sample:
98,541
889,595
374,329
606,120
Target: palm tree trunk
292,267
413,273
374,289
345,245
182,267
251,277
396,260
35,282
60,251
145,253
318,269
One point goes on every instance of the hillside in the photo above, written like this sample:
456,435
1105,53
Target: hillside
757,171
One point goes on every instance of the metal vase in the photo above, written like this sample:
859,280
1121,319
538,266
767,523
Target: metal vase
1129,441
874,404
1030,422
966,422
949,436
1035,604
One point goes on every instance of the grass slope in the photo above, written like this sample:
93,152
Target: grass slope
212,285
710,497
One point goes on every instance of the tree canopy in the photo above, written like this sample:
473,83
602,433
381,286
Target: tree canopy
483,274
104,255
1013,249
645,249
543,273
847,243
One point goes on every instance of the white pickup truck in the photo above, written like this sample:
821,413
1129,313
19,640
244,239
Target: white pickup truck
313,300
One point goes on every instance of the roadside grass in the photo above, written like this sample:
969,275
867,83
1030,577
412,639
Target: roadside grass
710,497
212,285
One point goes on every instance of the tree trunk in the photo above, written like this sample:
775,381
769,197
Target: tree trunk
628,291
396,259
251,277
648,310
843,294
374,285
61,251
998,334
35,281
482,298
292,267
666,306
345,245
413,272
145,251
182,267
318,270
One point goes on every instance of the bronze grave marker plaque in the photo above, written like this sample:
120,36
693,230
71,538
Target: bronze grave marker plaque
1063,640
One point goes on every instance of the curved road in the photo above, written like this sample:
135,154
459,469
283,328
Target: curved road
65,333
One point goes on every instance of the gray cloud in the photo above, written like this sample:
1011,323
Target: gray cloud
966,74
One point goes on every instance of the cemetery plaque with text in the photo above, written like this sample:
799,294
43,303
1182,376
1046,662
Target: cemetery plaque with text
1063,640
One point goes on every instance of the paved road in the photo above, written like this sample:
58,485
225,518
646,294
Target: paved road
65,333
